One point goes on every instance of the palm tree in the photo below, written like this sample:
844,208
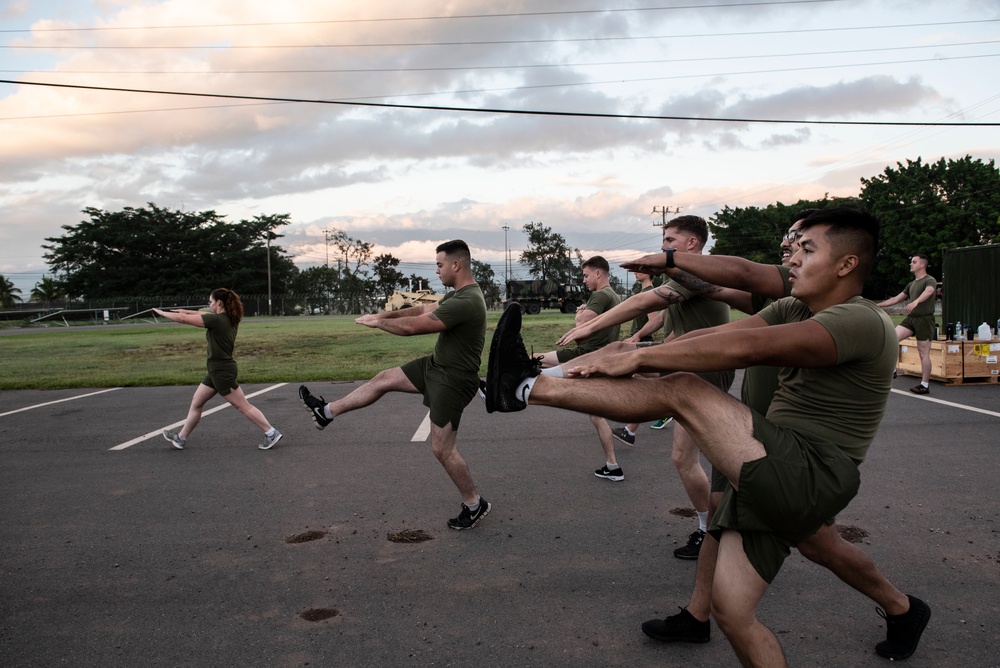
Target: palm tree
47,290
9,295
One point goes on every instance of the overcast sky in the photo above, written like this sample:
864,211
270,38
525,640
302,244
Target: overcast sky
408,179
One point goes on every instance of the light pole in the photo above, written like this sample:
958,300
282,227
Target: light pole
268,272
506,257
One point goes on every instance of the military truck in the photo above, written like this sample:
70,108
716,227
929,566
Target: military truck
535,295
399,300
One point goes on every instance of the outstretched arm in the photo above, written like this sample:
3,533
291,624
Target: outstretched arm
740,344
636,305
721,270
892,300
183,316
405,322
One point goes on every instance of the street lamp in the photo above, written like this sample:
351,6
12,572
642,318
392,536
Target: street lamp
506,260
269,272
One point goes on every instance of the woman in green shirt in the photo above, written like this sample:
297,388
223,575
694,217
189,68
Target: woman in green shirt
221,324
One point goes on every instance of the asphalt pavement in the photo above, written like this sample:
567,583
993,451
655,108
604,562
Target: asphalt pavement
118,550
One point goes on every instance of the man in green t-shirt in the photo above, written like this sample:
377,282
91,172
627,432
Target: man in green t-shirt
752,287
686,311
448,379
788,471
919,295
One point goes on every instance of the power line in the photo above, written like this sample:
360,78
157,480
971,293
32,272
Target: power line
486,110
526,66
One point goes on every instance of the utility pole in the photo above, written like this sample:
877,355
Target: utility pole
506,257
268,272
326,234
664,211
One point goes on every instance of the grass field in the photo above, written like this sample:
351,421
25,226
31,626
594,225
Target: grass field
293,349
268,350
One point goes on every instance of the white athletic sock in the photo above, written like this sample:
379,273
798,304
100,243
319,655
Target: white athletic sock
475,506
327,413
925,384
554,371
524,389
703,521
629,431
611,467
270,432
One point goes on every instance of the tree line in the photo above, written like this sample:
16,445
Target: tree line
923,207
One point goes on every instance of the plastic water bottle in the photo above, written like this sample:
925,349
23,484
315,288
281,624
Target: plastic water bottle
984,333
959,332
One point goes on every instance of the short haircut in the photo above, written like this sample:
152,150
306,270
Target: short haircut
598,262
922,257
456,249
804,213
856,231
695,225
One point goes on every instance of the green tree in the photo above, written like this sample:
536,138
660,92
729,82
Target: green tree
154,251
925,208
48,290
755,233
548,256
486,279
387,277
10,294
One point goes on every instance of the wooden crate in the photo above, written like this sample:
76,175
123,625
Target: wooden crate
980,361
946,359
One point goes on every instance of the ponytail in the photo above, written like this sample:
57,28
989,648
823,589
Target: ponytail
231,301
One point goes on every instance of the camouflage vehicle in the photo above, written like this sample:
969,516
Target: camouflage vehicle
400,300
535,295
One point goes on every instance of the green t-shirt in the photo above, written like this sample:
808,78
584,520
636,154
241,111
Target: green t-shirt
916,288
843,404
695,312
600,301
761,382
460,347
642,320
221,337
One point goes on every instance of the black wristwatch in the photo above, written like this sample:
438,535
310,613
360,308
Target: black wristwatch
670,257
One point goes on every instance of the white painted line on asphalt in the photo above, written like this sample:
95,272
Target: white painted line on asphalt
146,437
423,430
59,401
907,393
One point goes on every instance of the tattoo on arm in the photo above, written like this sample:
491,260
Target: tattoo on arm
695,284
669,295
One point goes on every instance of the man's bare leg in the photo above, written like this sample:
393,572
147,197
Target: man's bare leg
687,461
699,605
736,591
855,567
443,445
718,423
607,441
390,380
924,350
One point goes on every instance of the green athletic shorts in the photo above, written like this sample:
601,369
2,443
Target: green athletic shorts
566,354
221,378
922,326
785,496
446,393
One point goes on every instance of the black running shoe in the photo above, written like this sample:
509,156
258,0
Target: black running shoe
682,627
509,364
621,434
903,631
315,406
468,519
610,474
693,547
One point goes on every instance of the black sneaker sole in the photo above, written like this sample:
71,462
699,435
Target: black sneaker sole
476,521
651,630
303,393
509,325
